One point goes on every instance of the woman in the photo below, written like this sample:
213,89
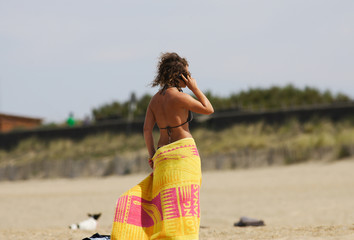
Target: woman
166,204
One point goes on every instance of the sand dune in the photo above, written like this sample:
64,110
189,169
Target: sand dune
306,201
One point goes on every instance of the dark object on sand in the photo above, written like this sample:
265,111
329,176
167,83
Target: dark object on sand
88,224
246,221
97,236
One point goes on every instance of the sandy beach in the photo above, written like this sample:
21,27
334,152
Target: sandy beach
306,201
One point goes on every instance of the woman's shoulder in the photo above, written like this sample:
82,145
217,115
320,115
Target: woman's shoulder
168,93
176,97
170,96
157,98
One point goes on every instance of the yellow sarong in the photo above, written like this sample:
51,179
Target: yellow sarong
165,205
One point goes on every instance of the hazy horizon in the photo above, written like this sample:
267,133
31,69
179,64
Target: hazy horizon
65,56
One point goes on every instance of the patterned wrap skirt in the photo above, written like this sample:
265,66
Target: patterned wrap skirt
165,205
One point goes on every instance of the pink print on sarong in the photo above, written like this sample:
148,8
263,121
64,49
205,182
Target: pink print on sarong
141,212
178,201
189,197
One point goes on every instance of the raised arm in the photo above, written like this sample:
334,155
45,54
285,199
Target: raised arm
203,106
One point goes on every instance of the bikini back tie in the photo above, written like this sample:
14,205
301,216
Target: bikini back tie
169,129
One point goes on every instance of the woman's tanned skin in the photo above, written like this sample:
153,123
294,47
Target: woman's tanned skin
170,108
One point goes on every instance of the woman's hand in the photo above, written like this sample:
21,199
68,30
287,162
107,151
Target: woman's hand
202,106
190,82
151,163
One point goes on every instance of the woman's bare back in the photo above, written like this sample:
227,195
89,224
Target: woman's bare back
170,116
170,108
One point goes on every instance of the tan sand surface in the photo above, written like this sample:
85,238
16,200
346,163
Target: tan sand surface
306,201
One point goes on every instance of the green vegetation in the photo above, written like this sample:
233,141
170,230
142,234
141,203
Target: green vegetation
118,110
240,145
93,147
300,140
275,98
255,98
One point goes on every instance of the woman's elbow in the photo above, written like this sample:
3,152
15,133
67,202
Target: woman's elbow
210,111
207,111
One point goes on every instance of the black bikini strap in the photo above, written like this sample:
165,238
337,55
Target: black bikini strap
189,119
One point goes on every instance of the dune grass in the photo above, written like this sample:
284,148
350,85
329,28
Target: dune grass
298,138
98,147
293,135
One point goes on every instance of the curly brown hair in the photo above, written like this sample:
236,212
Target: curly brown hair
169,69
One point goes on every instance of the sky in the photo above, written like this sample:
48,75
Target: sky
58,57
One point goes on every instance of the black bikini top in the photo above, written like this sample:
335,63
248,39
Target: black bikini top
189,119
